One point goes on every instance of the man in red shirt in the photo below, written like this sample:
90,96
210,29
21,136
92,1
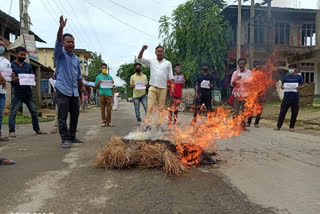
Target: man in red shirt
175,98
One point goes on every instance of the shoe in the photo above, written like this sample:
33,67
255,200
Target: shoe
291,130
12,134
65,144
76,140
256,125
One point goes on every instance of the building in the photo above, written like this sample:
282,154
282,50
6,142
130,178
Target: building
46,58
9,31
292,32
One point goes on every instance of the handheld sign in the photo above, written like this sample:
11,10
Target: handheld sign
106,84
205,84
27,79
290,87
140,85
178,79
6,73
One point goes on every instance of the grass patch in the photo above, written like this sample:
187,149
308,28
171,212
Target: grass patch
20,119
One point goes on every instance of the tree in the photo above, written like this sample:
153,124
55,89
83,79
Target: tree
95,65
125,71
196,33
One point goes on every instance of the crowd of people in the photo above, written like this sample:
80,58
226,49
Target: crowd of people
164,78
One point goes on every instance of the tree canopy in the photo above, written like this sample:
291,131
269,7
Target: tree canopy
94,66
125,71
196,33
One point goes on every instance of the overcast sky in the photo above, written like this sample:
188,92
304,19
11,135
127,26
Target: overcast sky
119,41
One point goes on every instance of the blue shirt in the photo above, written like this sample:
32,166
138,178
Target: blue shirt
67,71
21,90
292,79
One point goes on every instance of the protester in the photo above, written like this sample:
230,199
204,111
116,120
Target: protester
175,97
22,93
291,84
160,72
203,92
240,78
260,100
4,63
115,100
139,95
105,96
67,85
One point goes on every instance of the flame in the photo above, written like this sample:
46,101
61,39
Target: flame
190,155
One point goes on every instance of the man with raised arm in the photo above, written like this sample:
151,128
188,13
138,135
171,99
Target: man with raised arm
68,84
160,72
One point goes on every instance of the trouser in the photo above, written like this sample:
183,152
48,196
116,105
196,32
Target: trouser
258,117
105,106
238,105
16,103
156,98
136,102
173,108
56,123
207,101
285,105
2,104
65,105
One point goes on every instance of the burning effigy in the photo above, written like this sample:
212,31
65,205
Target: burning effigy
190,145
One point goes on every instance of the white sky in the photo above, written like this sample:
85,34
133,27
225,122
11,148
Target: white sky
99,32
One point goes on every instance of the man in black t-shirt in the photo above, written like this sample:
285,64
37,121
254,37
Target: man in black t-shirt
203,92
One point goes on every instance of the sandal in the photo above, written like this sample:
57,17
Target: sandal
103,124
4,139
40,132
5,161
109,124
76,140
12,134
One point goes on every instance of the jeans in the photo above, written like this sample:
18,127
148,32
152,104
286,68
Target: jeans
65,105
16,103
2,104
258,117
136,102
294,105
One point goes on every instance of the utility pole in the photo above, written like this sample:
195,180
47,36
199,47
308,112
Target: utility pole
239,32
251,47
24,29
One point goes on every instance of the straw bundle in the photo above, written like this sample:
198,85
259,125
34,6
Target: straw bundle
172,165
151,155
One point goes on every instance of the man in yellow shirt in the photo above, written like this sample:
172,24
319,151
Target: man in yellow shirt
139,83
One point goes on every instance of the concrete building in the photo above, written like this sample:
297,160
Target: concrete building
292,32
46,58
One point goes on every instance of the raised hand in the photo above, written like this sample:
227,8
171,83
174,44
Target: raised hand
62,22
145,47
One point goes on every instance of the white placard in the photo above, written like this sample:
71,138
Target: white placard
244,75
290,87
52,83
140,85
106,84
6,73
205,84
178,79
27,79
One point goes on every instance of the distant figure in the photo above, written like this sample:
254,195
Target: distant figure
203,92
139,83
292,84
160,72
175,97
115,100
105,96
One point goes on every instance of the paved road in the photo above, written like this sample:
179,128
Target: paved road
49,179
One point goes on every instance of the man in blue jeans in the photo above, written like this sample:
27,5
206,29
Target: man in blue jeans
139,83
22,93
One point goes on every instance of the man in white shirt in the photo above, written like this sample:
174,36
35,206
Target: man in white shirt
240,79
160,73
4,63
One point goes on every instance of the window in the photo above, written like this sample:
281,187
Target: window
308,35
282,32
308,77
258,34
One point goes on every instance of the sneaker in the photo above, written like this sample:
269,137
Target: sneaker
76,140
65,144
12,134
